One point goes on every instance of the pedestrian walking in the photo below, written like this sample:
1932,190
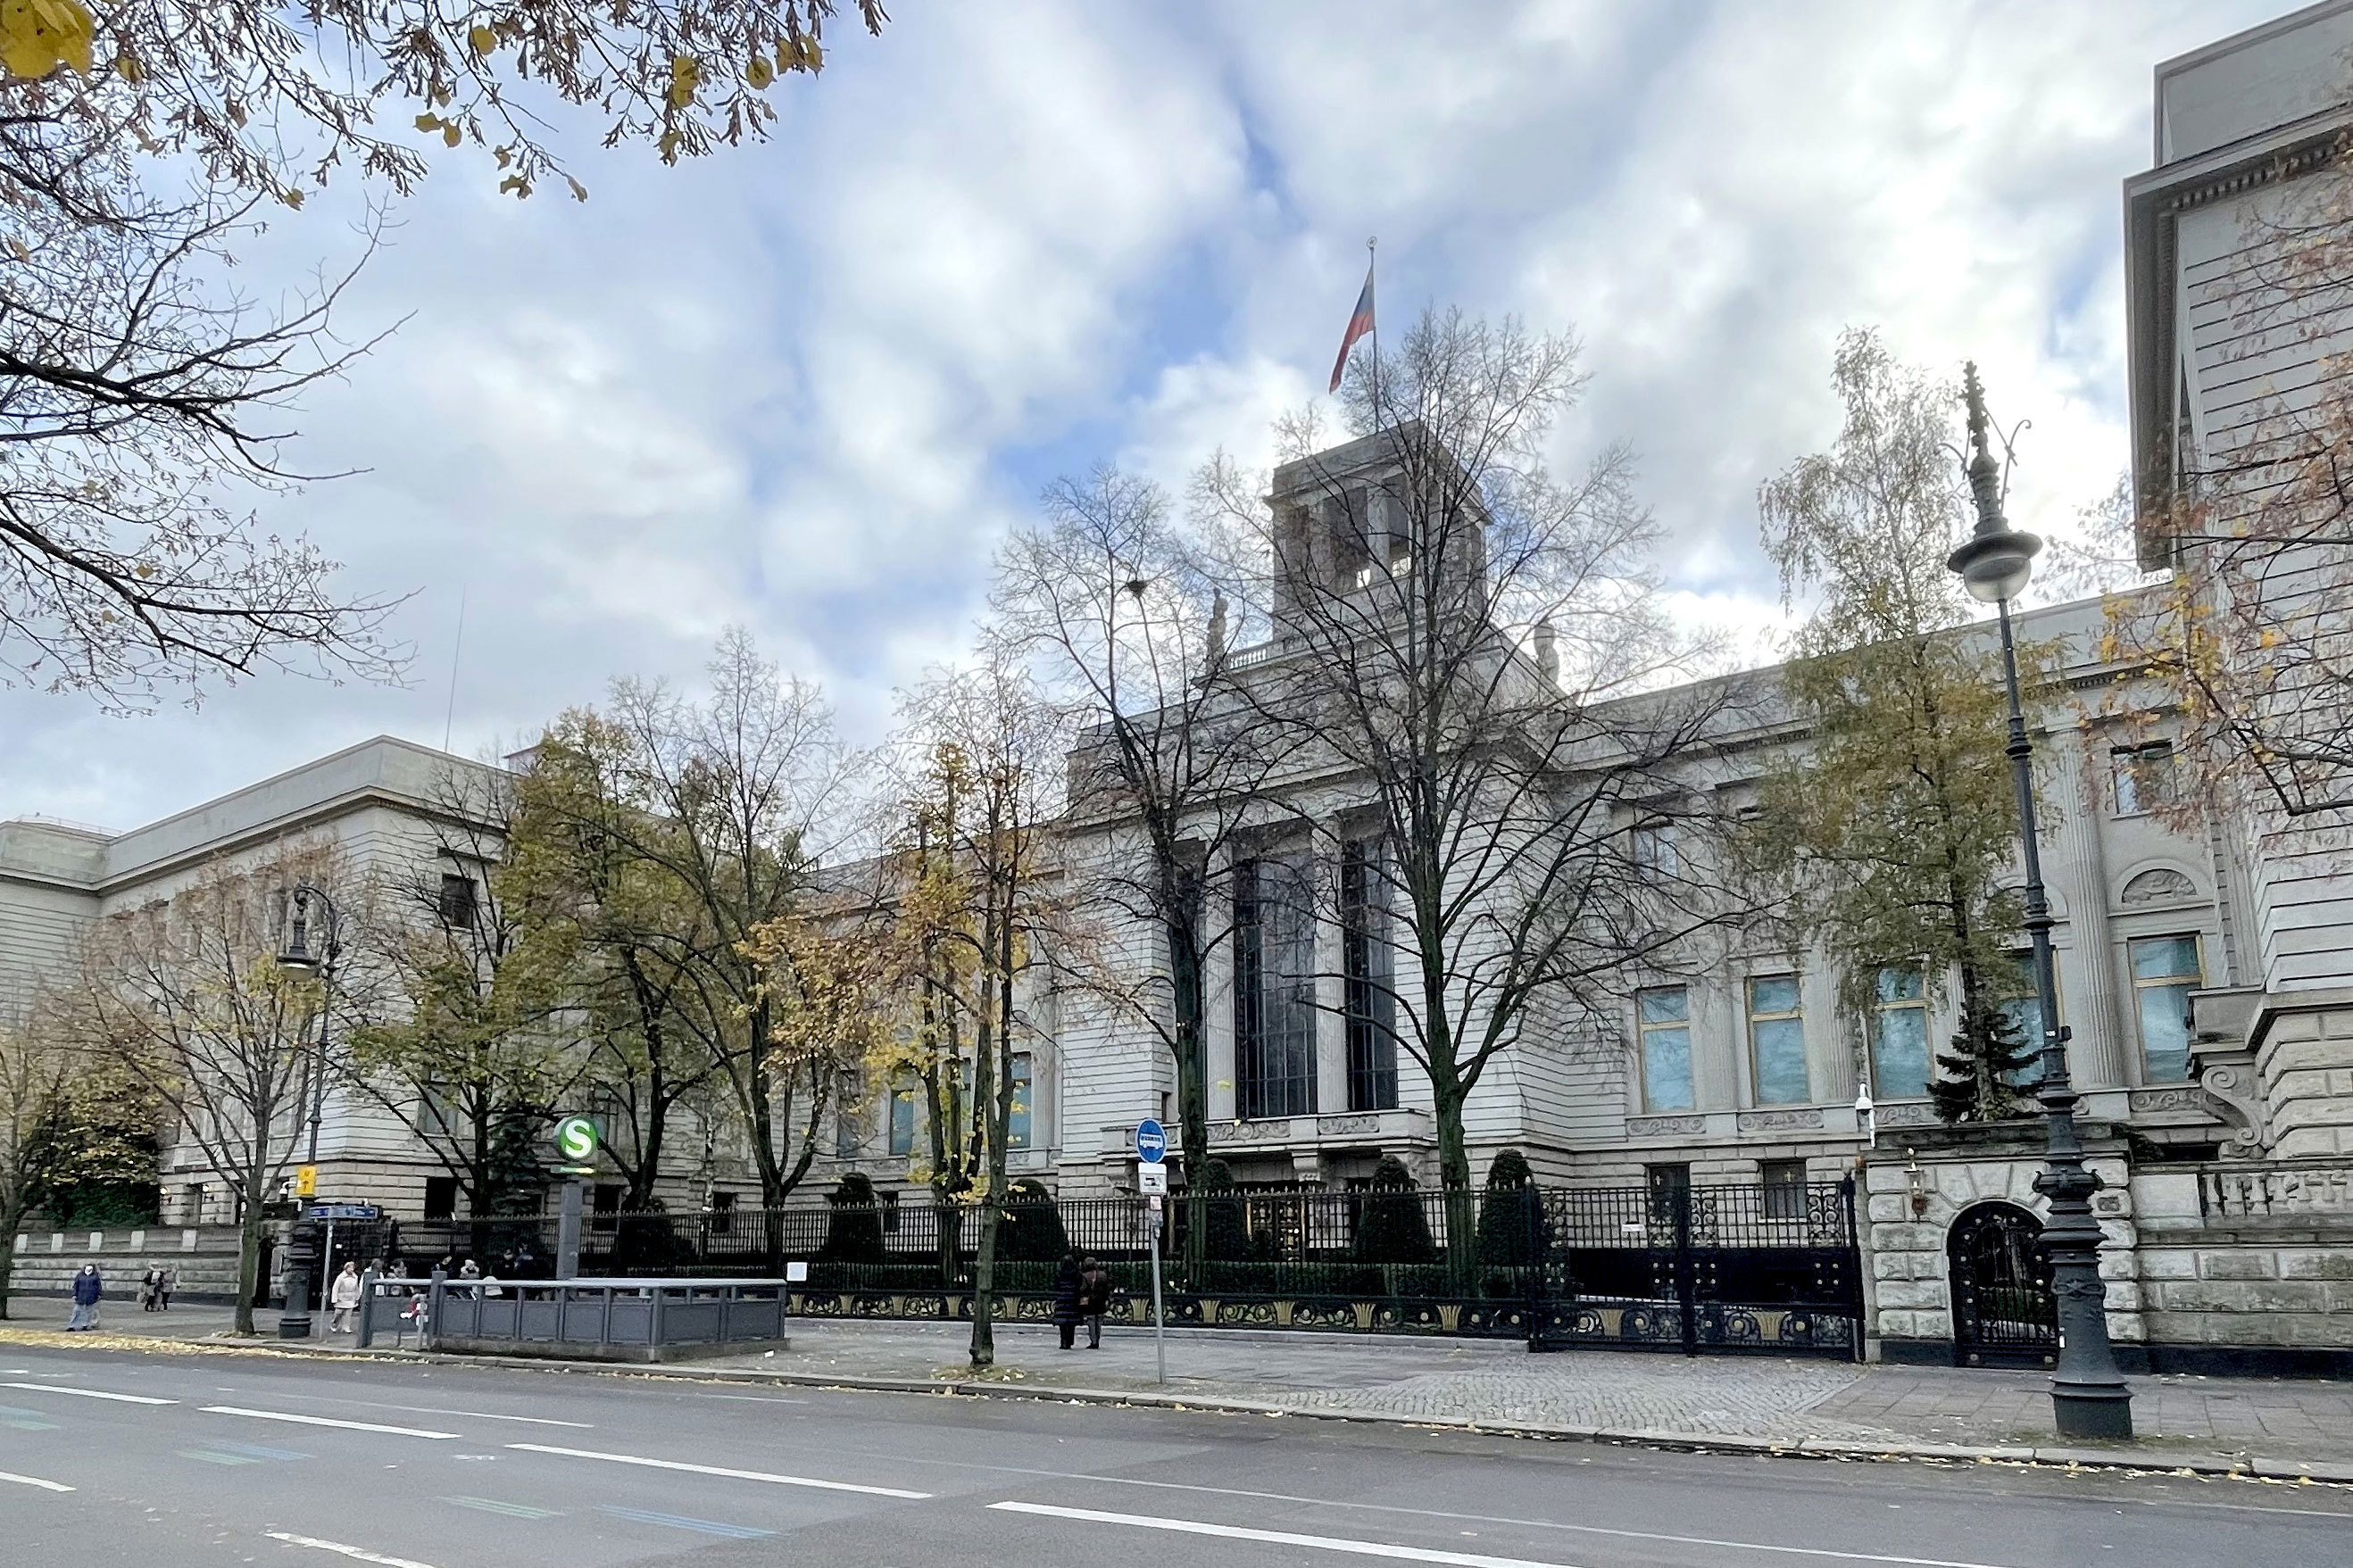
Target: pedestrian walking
342,1299
150,1288
1066,1298
1094,1299
87,1288
165,1286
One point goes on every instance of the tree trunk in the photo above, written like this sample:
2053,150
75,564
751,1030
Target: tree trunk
1192,1081
249,1259
11,1217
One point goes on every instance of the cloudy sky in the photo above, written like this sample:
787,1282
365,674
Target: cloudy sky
805,385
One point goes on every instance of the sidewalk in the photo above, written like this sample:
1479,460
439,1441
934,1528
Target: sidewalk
2276,1427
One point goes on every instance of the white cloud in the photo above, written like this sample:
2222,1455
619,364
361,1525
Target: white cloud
806,385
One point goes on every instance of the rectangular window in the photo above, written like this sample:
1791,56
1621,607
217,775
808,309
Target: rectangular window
891,1213
440,1197
2022,1005
1018,1121
1274,988
722,1212
1784,1188
903,1121
604,1207
1776,1040
1669,1189
850,1116
2143,777
1663,1018
1369,963
192,1201
2165,971
1899,1036
458,900
433,1110
1653,843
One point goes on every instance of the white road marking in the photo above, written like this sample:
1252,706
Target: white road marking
1552,1524
719,1470
360,1552
323,1421
1278,1536
90,1393
34,1481
435,1410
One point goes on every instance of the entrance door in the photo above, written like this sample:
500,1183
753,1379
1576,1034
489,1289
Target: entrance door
2003,1311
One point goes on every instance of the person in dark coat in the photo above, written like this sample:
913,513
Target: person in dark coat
1066,1298
1094,1299
88,1289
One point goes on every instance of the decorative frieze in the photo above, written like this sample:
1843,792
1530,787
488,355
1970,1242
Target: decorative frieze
1664,1126
1363,1124
2173,1097
1249,1132
1919,1114
1779,1120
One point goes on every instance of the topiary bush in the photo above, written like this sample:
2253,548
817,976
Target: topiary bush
853,1230
1392,1228
1031,1227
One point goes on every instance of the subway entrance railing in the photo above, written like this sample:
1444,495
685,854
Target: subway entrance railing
1701,1269
599,1320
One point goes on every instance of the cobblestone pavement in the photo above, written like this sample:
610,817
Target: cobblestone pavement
2176,1416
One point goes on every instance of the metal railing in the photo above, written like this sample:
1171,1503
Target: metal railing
633,1317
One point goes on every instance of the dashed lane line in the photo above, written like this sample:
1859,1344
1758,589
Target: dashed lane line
1390,1549
360,1553
326,1421
34,1481
681,1521
720,1470
90,1393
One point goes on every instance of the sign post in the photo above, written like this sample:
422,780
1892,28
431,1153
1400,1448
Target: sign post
576,1143
1152,1180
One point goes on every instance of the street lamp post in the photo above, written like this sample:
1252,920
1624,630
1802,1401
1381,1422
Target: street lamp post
294,1322
2088,1395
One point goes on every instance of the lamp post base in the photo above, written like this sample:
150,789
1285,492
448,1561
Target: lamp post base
2096,1410
293,1325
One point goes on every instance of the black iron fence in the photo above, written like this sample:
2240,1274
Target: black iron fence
1715,1267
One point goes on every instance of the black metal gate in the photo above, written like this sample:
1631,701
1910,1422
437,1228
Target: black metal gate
1699,1269
2003,1311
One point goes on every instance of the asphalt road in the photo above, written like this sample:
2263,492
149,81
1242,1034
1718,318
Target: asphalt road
193,1461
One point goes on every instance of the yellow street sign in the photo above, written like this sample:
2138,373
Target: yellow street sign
306,1181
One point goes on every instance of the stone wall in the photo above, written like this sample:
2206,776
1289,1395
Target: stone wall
1908,1289
2304,1060
2257,1260
206,1260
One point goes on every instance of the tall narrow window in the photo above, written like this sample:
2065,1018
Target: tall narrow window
849,1116
458,900
1776,1040
722,1212
2143,776
1017,1120
440,1197
1653,845
1784,1188
1370,966
1669,1186
2165,972
1274,988
902,1121
1899,1036
2021,1003
1663,1018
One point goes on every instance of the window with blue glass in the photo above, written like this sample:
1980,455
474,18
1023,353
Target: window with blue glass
1899,1035
1776,1040
902,1121
2165,971
1017,1120
1662,1015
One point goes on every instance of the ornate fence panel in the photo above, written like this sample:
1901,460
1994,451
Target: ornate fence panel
1699,1269
1717,1269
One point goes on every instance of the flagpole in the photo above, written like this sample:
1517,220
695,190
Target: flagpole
1372,281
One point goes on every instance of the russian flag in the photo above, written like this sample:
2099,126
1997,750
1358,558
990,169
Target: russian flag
1359,325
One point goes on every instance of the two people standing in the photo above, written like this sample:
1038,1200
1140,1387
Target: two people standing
1081,1295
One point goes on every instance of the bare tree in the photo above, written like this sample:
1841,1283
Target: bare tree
186,999
1125,622
1471,654
735,798
1011,919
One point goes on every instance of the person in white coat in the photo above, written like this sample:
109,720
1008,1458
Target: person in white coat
344,1299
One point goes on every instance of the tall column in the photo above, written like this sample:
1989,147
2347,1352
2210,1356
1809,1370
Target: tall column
1331,994
2088,997
1218,1008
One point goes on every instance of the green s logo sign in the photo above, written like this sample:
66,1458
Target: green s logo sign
576,1138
